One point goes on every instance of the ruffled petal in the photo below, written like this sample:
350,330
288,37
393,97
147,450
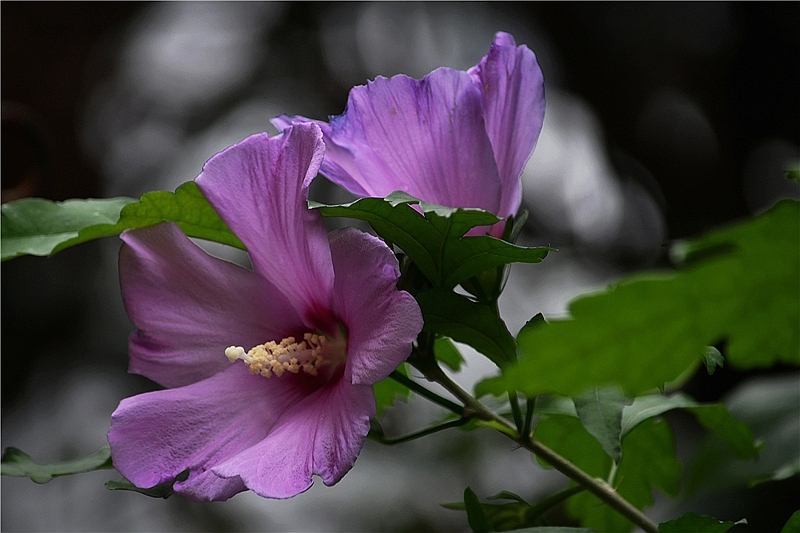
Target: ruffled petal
512,86
425,137
157,435
189,306
381,321
260,189
322,435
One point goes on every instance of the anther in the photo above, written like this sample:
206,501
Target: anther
276,358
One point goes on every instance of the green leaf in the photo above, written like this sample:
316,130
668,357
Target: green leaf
600,412
692,523
713,359
501,517
646,330
19,464
162,490
770,407
388,390
433,237
793,524
445,351
648,461
517,515
36,226
714,417
478,522
476,324
187,207
41,227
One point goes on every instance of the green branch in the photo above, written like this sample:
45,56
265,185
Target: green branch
376,431
422,391
598,487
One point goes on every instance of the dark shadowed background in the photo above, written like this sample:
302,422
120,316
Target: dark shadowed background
663,120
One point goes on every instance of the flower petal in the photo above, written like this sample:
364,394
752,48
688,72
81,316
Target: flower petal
339,161
190,306
260,188
322,435
512,86
382,322
157,435
425,137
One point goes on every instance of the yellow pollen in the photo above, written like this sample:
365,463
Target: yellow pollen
276,358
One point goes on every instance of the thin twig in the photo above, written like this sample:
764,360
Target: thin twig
379,436
422,391
598,487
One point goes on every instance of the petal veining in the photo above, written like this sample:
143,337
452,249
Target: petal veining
189,306
382,322
260,188
156,435
425,137
322,434
512,86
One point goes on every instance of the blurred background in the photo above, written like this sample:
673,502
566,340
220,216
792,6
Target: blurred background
663,120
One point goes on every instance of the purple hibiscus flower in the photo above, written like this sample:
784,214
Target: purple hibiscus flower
455,138
269,371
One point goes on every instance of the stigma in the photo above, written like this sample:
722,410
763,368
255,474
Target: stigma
287,355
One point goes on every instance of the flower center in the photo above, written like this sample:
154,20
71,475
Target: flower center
308,355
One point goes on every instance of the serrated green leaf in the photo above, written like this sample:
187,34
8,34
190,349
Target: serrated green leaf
714,417
476,518
600,412
445,351
793,524
40,227
475,324
535,321
433,237
19,464
566,436
162,490
646,330
693,523
648,461
388,390
34,226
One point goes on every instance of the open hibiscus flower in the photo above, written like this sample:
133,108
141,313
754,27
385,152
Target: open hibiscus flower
270,371
454,138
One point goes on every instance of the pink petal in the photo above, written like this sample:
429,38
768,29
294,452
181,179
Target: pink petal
189,306
260,188
335,155
425,137
512,86
322,435
381,321
157,435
